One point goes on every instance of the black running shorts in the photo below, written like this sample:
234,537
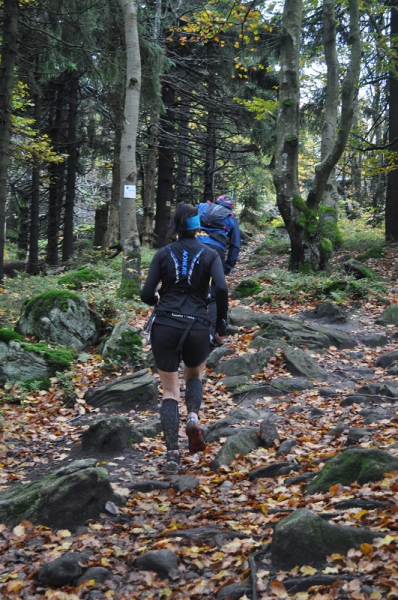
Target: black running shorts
165,339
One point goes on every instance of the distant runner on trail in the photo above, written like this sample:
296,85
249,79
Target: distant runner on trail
179,325
218,228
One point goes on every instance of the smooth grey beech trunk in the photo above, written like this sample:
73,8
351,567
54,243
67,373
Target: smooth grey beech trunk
129,239
306,244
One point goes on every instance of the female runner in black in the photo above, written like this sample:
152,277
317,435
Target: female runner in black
179,326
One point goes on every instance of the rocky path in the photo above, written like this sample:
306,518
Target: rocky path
295,495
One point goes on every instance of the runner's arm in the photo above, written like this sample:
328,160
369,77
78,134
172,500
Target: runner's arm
218,278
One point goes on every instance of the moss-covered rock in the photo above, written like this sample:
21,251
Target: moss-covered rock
8,335
247,287
304,538
29,362
59,316
375,252
124,346
77,279
42,304
389,316
64,500
359,270
354,464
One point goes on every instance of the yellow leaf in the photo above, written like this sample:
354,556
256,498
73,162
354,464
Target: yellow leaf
366,548
330,570
386,541
14,586
361,514
307,570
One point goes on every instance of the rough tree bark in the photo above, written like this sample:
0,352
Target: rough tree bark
148,193
165,191
8,56
391,217
286,152
70,192
129,239
33,259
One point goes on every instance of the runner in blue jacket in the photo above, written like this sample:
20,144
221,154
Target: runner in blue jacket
218,226
179,326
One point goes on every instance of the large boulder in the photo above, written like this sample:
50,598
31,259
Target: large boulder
61,317
140,388
242,442
124,346
354,464
326,312
300,363
304,538
389,316
107,435
64,499
250,364
22,360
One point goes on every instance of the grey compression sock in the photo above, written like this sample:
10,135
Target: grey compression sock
169,419
193,395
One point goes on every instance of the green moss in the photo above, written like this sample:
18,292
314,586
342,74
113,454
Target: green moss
8,335
129,288
56,357
265,300
247,287
78,278
36,384
356,464
376,252
327,210
299,203
129,348
288,103
305,270
331,231
326,248
42,304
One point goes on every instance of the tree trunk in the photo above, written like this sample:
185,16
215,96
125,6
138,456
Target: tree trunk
56,172
391,218
33,260
148,194
286,152
73,88
100,225
210,161
349,91
7,64
23,225
182,183
310,248
113,230
131,272
165,192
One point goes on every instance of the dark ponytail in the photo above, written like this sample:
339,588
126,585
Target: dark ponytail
179,221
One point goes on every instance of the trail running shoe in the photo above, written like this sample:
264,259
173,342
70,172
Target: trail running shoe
193,431
173,461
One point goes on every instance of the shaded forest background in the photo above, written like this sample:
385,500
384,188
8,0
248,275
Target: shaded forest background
208,123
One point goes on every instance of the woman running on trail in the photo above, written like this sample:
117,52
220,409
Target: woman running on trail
179,326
